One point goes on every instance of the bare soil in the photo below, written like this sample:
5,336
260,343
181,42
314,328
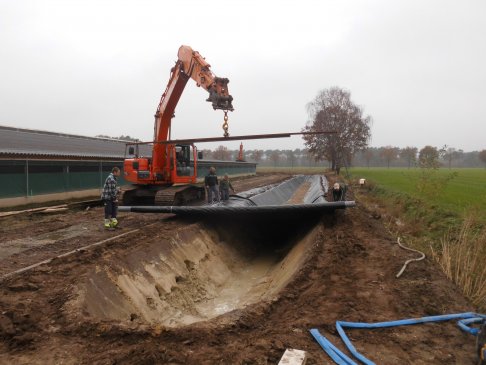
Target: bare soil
99,305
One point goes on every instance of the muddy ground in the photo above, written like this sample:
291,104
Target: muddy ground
341,266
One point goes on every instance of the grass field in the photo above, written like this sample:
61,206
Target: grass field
465,192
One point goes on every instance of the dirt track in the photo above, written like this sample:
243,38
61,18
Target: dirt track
341,267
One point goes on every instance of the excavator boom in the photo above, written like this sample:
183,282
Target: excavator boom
190,64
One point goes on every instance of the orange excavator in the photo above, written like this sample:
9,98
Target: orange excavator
168,176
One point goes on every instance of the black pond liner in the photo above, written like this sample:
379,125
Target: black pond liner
273,201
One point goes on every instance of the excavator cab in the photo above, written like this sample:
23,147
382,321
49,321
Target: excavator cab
183,163
183,160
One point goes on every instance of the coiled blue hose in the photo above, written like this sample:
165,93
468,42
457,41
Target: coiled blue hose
340,358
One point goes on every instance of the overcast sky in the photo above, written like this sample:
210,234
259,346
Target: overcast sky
99,67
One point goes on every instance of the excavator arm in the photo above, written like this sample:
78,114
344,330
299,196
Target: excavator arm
190,64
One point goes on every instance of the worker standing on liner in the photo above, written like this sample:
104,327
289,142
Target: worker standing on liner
211,183
224,187
338,192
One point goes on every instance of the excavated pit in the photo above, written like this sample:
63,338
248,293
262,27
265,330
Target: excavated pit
200,271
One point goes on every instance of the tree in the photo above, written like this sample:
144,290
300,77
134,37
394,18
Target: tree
430,183
333,110
482,156
221,153
275,157
309,156
429,157
389,153
257,155
409,154
122,137
290,157
450,154
368,156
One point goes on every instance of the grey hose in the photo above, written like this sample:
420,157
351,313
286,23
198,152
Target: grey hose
409,261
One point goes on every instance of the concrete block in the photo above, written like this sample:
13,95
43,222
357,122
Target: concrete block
293,357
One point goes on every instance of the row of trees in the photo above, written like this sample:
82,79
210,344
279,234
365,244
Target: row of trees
388,156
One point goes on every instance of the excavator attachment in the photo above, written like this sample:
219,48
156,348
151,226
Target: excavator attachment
218,99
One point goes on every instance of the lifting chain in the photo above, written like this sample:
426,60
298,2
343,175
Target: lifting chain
225,124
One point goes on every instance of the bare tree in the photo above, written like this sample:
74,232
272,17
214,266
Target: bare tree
333,110
482,156
409,154
221,153
390,154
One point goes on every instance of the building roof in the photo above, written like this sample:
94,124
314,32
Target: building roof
22,143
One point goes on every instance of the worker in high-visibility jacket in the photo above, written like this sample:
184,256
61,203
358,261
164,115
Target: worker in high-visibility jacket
110,198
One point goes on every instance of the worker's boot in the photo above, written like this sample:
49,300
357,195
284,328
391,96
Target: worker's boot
107,224
114,222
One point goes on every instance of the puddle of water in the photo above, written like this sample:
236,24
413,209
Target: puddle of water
240,289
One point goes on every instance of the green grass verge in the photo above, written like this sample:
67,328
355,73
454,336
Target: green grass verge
463,193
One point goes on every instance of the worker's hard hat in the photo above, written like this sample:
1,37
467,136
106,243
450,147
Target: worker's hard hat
337,186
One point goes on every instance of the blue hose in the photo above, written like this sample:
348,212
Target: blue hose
463,324
334,353
464,320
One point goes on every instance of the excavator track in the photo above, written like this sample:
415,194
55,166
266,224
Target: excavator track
169,196
165,196
178,195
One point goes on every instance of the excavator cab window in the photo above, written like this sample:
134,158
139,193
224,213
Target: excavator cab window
183,160
131,150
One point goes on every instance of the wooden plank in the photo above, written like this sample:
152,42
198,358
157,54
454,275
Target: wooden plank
7,214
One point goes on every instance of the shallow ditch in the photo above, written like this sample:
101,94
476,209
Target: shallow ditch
197,272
